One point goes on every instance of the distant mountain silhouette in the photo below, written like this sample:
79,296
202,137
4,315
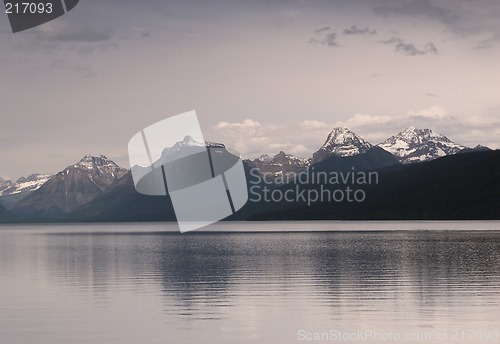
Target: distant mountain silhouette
280,165
74,186
3,211
449,181
372,158
457,187
122,203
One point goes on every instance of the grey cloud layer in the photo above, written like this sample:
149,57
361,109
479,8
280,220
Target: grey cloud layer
323,29
330,36
419,8
460,17
409,48
354,30
329,39
75,34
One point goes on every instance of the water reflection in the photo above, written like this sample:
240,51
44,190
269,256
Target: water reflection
249,287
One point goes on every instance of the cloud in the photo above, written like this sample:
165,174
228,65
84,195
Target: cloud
469,131
354,30
290,148
313,124
329,40
251,138
66,65
60,33
482,122
484,44
359,120
434,112
418,8
411,49
462,17
323,29
432,95
253,146
314,41
430,48
377,128
489,42
248,126
324,36
139,31
392,40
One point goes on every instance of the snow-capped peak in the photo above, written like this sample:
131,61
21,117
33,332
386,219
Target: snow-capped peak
415,135
106,169
90,162
264,158
341,142
414,145
33,178
24,184
188,141
283,158
187,146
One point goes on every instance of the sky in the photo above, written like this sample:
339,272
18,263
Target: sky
263,76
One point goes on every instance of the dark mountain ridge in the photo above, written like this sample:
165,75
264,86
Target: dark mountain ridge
96,189
458,187
74,186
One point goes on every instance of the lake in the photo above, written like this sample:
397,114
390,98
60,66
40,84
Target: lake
263,282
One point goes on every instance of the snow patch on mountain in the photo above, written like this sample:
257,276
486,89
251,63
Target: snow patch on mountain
23,184
416,145
264,158
101,169
4,184
341,142
70,188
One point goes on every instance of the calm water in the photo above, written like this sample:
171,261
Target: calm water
146,283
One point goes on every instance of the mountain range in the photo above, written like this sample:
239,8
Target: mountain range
415,145
281,165
409,146
97,189
69,189
456,187
12,192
